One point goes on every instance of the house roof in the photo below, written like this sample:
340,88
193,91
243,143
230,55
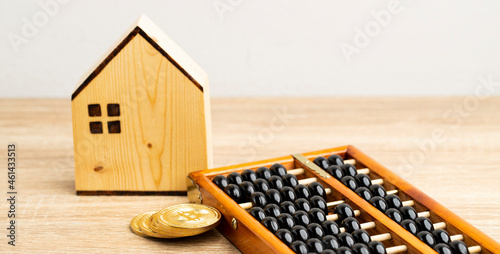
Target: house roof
161,42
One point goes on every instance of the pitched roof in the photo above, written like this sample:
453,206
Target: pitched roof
161,42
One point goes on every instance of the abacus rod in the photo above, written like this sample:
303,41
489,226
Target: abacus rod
381,237
300,171
336,216
350,161
365,226
425,214
379,181
246,205
474,249
334,203
408,203
396,249
456,238
391,192
440,225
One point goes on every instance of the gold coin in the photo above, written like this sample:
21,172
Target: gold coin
186,220
145,226
134,225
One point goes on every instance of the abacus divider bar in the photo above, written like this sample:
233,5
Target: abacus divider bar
381,237
474,249
396,249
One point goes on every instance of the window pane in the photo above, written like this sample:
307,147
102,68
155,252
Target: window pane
95,127
94,110
114,127
113,110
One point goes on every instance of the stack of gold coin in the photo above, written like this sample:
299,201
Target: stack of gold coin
176,221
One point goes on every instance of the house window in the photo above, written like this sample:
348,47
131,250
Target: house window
96,127
94,110
113,110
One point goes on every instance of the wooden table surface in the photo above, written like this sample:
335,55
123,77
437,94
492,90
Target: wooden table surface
460,171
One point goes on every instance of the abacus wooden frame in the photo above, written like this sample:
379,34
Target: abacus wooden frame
249,236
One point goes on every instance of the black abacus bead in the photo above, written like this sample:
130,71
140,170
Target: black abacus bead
344,250
303,204
443,248
314,245
288,194
270,223
257,212
459,247
278,170
263,172
322,162
379,203
220,181
272,210
361,236
350,224
234,178
302,191
408,212
317,215
335,171
441,236
363,180
315,230
247,188
319,202
301,218
378,190
261,185
343,211
427,238
249,175
234,191
349,170
258,199
364,192
300,233
350,182
331,227
275,182
410,226
335,159
360,248
285,236
299,247
330,242
288,207
393,201
286,221
394,214
328,251
273,196
316,189
377,248
290,180
346,239
424,224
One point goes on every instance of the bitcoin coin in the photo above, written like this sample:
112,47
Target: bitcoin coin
186,220
145,226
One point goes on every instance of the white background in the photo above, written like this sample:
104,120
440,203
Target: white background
265,48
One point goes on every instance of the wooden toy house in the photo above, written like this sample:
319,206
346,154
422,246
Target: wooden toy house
141,117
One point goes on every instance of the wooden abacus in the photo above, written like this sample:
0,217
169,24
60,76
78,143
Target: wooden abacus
250,236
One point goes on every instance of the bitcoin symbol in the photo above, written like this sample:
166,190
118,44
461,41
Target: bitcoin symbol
189,215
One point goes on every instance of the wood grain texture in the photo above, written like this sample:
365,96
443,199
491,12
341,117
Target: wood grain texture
462,172
163,135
